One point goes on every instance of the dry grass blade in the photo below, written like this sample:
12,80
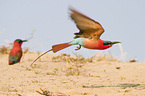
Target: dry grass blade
75,63
48,93
104,57
4,49
70,59
26,49
122,53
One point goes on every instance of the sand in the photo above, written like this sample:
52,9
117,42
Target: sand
97,78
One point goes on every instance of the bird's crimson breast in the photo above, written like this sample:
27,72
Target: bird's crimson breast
16,49
95,44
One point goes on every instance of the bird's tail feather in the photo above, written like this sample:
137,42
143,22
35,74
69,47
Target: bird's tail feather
11,62
58,47
55,48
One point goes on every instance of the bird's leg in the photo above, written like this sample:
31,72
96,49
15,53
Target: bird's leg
79,47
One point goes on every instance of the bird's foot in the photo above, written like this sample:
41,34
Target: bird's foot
79,47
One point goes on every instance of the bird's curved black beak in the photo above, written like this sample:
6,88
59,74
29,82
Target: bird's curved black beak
115,42
25,40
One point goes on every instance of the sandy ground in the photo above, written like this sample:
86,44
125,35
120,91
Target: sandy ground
99,78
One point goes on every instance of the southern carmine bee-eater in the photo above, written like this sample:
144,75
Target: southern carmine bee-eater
16,52
88,35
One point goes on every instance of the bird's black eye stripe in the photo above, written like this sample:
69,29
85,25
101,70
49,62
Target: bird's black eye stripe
20,41
107,42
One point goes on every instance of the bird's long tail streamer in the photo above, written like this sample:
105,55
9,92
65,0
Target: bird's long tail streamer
55,48
40,56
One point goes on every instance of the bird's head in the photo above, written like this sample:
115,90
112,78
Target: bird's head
20,41
108,44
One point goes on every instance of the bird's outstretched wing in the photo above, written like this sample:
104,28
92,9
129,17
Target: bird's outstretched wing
87,26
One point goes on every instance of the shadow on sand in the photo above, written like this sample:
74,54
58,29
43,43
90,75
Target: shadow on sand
124,86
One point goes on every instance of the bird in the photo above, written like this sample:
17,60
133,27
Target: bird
16,52
87,37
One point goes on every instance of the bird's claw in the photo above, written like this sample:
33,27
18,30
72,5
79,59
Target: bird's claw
79,47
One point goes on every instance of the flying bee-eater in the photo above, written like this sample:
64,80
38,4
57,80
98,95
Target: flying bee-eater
87,37
16,52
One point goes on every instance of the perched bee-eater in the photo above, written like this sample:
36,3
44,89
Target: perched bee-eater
16,52
88,36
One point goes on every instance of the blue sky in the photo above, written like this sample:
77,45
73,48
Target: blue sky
123,20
